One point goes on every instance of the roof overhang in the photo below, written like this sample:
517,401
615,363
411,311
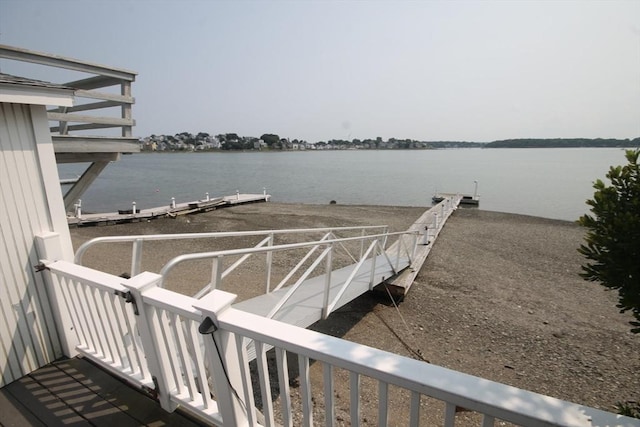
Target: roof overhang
26,94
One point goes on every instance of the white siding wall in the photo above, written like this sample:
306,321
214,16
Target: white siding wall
30,204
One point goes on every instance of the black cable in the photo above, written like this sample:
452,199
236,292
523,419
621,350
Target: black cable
226,374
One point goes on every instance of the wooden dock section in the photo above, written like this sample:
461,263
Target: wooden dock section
430,223
187,208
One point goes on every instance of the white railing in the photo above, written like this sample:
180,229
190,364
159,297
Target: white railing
191,353
402,259
137,241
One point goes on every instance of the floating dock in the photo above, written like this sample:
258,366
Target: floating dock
172,210
465,199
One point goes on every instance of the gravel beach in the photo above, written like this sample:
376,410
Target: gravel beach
499,297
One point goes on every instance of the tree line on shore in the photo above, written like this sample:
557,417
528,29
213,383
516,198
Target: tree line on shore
203,141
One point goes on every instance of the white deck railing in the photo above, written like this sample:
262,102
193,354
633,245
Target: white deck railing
191,353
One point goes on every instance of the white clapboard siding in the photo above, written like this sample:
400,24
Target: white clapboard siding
31,204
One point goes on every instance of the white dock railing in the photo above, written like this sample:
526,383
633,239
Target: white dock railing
189,352
403,251
137,241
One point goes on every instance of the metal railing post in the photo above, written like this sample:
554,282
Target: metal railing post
416,238
361,244
374,255
327,282
216,272
385,231
136,257
269,262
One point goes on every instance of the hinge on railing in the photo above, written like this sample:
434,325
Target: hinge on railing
40,267
152,392
128,297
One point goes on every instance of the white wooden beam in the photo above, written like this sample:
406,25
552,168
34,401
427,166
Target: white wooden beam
78,118
94,82
19,54
94,144
86,157
87,178
81,93
86,107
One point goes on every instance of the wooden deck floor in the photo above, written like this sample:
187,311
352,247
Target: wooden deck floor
76,392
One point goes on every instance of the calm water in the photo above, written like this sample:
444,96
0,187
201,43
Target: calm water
552,183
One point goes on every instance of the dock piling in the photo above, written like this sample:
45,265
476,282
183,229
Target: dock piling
78,209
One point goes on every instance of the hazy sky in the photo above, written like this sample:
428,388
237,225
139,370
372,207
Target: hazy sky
432,70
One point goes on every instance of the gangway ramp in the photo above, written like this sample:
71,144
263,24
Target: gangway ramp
307,304
327,284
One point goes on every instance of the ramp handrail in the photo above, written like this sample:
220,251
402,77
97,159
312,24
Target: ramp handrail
256,250
217,256
138,240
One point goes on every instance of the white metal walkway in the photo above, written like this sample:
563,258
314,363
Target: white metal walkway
306,305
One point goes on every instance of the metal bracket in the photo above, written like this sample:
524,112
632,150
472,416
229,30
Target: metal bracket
40,267
128,297
152,392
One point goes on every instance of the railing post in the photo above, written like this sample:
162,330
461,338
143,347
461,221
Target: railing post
399,251
151,336
125,90
49,247
385,231
327,283
222,351
78,207
216,272
269,262
374,255
173,203
435,222
136,257
415,246
425,240
361,244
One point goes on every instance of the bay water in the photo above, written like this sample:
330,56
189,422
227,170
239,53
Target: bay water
551,183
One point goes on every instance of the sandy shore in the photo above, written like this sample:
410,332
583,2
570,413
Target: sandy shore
499,297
